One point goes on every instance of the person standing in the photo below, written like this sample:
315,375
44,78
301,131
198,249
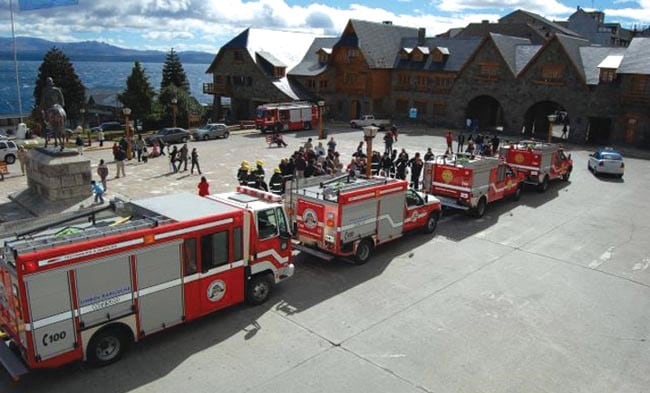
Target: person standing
461,140
139,147
172,159
183,157
450,139
102,172
98,191
468,124
400,168
242,173
100,136
80,145
204,187
276,183
195,162
416,165
22,156
388,142
428,156
331,145
495,144
308,145
259,173
120,156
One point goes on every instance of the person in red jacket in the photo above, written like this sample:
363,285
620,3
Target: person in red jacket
450,139
204,187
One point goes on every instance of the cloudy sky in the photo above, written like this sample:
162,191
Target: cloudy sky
205,25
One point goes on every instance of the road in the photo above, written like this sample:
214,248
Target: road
548,294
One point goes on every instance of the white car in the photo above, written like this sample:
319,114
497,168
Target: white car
606,161
8,151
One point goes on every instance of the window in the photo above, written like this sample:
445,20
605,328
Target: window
501,173
353,52
279,72
489,70
282,223
311,84
238,247
552,72
640,84
214,250
607,75
404,79
218,79
238,55
350,78
323,58
189,256
417,55
267,224
323,83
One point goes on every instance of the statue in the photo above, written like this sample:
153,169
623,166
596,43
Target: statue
52,103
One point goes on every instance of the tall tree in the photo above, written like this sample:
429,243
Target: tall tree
139,93
173,73
186,105
58,66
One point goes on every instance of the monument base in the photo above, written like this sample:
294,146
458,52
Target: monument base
58,176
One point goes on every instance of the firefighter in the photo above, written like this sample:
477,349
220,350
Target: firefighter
276,183
242,173
251,178
416,165
259,173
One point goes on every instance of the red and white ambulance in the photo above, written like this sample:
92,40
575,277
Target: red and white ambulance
470,183
539,161
85,289
287,116
347,217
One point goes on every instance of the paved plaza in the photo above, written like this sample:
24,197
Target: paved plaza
548,294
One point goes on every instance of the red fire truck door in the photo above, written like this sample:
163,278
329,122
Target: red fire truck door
272,246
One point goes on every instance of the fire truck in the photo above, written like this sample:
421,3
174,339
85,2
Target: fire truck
86,287
540,162
286,116
470,183
342,216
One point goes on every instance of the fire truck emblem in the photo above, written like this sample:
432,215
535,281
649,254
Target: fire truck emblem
447,176
216,290
519,158
309,218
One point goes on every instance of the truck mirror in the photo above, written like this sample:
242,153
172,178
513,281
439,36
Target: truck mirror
285,235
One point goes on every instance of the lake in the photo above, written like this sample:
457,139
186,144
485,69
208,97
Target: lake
94,75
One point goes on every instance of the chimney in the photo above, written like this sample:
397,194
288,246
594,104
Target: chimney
387,22
422,32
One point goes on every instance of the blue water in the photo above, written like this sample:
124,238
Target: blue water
94,75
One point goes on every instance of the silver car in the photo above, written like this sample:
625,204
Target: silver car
606,161
211,131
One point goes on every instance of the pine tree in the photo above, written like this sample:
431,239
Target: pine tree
139,93
58,66
173,73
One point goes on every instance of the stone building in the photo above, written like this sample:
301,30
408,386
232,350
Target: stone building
591,25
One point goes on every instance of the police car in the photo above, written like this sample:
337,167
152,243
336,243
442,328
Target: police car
606,161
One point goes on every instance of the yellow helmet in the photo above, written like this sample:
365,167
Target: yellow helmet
277,170
259,162
244,163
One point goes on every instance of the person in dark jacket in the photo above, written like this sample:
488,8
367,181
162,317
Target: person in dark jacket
276,183
416,165
374,163
259,172
386,165
195,162
172,159
400,168
428,156
388,142
242,173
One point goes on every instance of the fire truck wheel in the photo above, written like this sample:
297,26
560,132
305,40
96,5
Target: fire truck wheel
432,223
566,176
517,194
106,346
364,249
480,208
259,289
543,186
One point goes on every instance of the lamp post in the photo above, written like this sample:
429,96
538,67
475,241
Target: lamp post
321,133
83,125
369,133
174,102
551,119
127,132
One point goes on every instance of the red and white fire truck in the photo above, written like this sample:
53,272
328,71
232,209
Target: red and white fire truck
286,116
347,217
87,288
470,183
540,162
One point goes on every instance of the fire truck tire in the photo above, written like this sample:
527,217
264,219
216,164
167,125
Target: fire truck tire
517,194
543,186
263,129
480,208
362,254
432,223
107,346
566,176
258,289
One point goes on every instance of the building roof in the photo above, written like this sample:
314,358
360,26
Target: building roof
510,29
523,55
636,57
457,50
555,27
507,46
595,57
572,47
310,64
378,42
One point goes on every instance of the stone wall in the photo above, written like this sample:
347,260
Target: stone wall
57,178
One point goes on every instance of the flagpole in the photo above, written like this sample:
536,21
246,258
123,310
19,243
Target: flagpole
13,35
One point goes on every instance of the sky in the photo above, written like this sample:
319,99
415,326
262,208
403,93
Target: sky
205,25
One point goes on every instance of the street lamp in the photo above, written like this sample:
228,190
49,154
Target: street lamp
369,133
551,120
174,102
127,131
321,133
83,124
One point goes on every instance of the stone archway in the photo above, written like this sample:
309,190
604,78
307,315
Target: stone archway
488,111
537,121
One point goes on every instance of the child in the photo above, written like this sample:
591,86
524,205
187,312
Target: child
98,191
204,187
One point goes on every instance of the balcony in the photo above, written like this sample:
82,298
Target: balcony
216,89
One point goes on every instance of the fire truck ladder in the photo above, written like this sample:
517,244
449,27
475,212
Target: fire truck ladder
52,240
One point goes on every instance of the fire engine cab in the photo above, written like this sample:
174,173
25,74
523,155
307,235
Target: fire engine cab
470,183
347,217
86,287
540,162
286,116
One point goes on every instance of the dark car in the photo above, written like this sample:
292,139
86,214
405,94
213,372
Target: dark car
108,126
169,135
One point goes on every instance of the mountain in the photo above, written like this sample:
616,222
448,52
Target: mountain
35,49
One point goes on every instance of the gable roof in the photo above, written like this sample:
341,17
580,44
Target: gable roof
510,29
636,57
523,55
594,57
507,46
552,25
310,64
458,50
572,47
378,42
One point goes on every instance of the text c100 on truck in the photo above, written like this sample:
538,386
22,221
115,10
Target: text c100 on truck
88,286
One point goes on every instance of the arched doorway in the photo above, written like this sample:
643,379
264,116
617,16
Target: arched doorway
355,109
488,111
544,117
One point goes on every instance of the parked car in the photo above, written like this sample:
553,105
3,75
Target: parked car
108,126
606,161
8,151
210,131
169,135
369,120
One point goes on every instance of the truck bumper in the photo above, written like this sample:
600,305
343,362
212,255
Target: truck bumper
286,272
11,362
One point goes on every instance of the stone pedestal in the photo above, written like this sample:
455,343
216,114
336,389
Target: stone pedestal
58,176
